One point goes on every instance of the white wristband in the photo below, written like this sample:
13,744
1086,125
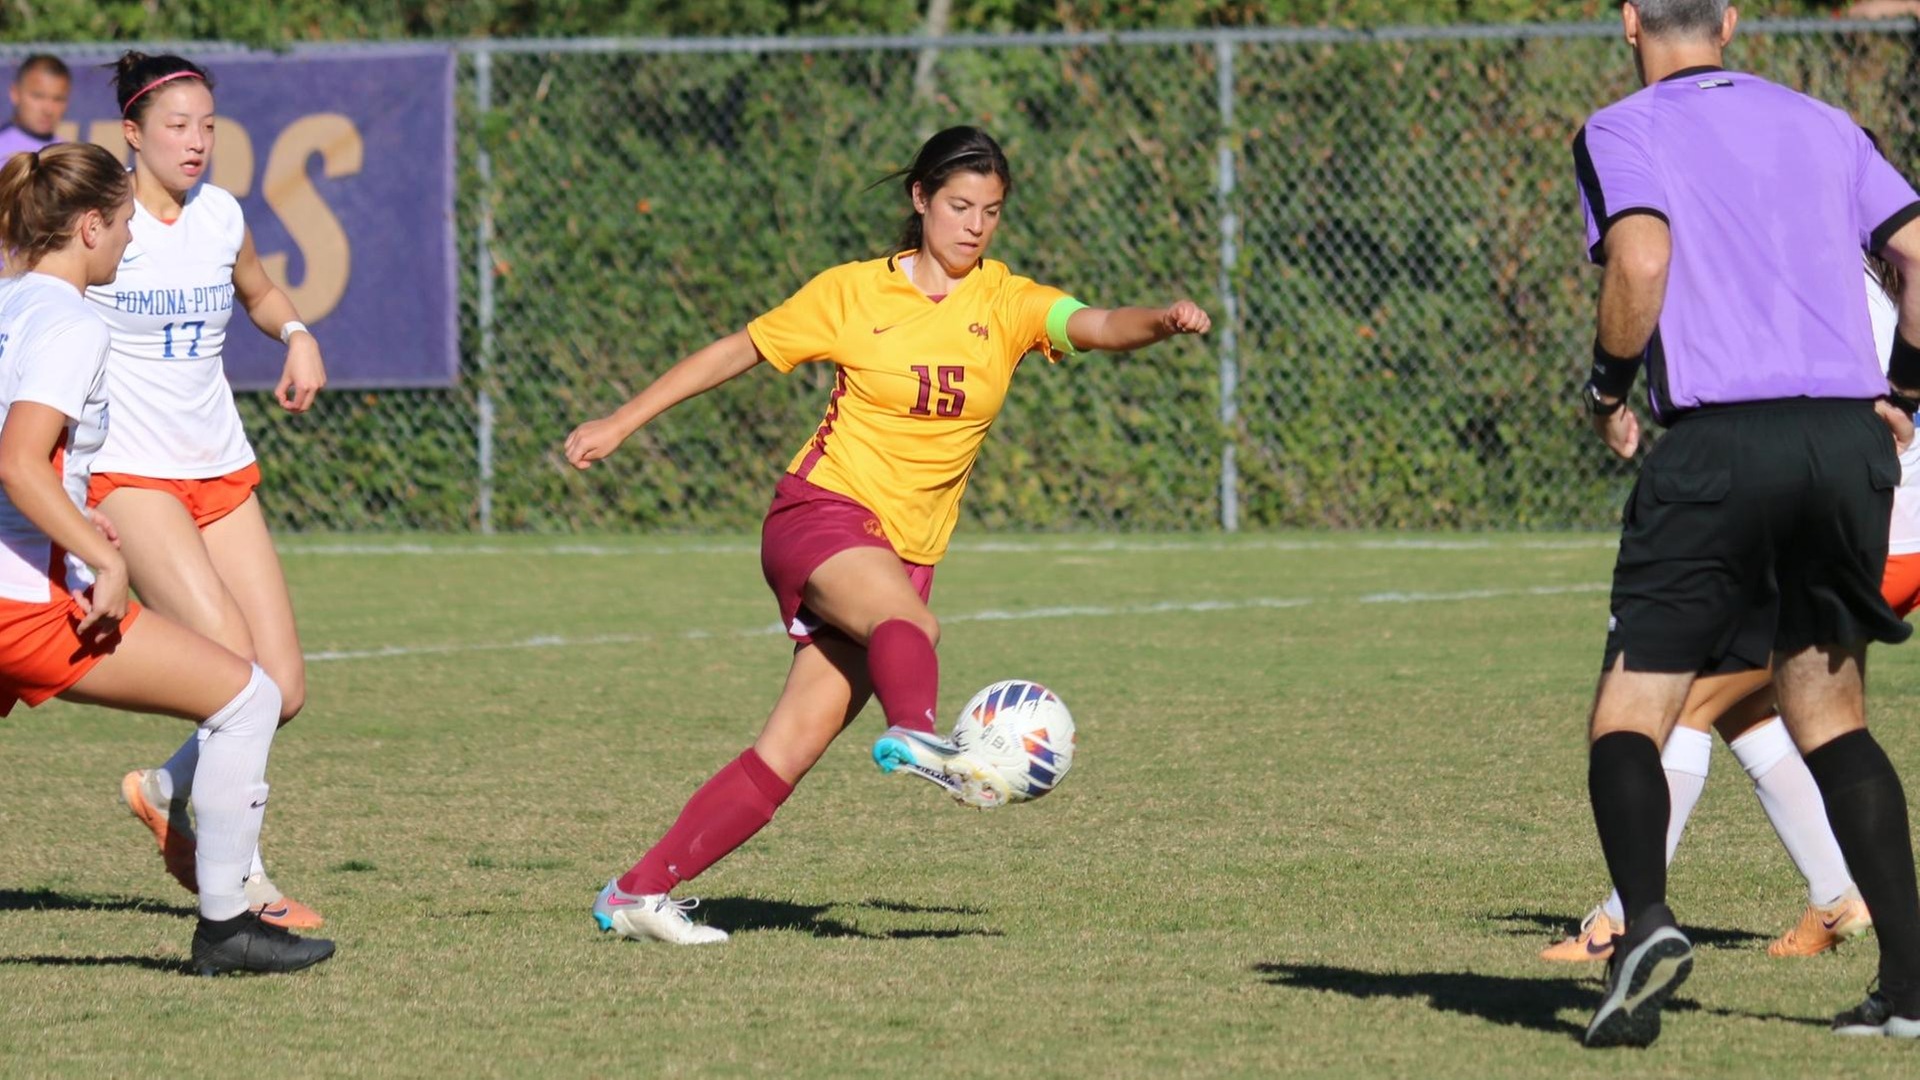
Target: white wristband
293,326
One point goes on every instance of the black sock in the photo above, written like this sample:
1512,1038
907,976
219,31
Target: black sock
1630,806
1868,812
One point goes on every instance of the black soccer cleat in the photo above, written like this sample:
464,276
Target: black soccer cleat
246,943
1877,1016
1649,963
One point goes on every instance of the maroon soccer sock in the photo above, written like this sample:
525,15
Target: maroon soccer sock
722,815
905,673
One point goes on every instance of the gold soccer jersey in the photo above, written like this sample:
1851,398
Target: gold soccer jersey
916,387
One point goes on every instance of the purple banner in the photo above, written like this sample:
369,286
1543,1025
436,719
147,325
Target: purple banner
344,164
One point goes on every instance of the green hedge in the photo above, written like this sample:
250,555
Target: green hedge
1414,304
310,20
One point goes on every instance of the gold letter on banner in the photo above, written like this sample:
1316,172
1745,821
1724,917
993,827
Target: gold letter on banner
322,242
232,157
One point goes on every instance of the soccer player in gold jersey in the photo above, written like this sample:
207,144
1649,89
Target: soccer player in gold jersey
924,343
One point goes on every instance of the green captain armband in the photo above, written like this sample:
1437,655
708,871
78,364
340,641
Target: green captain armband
1057,317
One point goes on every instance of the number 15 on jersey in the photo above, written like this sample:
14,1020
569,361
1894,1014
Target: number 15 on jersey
952,398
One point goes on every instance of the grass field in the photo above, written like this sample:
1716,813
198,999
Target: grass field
1329,802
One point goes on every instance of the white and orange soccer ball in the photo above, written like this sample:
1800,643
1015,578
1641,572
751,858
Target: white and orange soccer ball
1022,730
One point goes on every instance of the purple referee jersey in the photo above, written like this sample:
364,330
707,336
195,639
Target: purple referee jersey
1770,196
14,139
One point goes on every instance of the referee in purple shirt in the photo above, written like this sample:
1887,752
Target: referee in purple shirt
1729,214
39,99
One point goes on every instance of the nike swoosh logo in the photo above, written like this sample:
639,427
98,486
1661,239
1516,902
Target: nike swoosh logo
128,259
883,329
1598,948
1829,925
257,805
274,913
621,901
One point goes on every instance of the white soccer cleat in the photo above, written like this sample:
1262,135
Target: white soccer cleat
943,764
651,918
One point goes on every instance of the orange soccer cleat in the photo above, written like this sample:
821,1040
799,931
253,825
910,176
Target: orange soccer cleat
277,908
1594,941
169,824
1823,928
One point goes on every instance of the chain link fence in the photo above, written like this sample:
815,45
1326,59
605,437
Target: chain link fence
1385,226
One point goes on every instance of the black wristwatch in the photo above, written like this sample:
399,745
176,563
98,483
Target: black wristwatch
1596,406
1905,404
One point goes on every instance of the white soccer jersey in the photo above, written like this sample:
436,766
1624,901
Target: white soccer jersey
53,351
1904,539
173,412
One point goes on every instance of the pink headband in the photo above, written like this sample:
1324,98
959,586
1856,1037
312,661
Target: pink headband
127,109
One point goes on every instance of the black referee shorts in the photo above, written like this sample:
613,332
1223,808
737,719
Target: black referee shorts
1756,528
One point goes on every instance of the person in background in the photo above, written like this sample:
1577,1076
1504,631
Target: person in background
39,96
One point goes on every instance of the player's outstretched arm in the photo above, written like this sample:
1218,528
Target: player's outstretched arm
305,373
28,476
1122,329
725,359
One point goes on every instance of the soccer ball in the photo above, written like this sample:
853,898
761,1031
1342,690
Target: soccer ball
1022,730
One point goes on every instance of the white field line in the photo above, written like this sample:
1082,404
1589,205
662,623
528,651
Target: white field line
1257,603
353,549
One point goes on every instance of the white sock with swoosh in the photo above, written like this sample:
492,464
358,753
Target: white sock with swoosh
230,793
1794,806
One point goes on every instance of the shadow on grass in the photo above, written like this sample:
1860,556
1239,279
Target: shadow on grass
736,914
1527,1003
151,963
1530,1003
49,900
1548,928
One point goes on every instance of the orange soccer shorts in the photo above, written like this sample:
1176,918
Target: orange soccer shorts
41,653
207,500
1900,584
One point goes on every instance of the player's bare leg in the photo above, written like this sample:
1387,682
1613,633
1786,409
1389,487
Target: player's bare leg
160,666
866,594
242,553
177,574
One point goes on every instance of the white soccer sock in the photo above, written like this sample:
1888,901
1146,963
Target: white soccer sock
1792,801
1686,758
176,776
176,779
230,793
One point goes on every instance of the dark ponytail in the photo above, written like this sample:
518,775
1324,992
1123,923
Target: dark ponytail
957,149
137,77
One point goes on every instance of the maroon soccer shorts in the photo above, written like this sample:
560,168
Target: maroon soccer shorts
806,526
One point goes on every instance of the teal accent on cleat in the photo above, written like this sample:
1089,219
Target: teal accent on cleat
941,762
658,917
890,754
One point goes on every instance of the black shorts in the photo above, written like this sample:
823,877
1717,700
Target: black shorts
1752,529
